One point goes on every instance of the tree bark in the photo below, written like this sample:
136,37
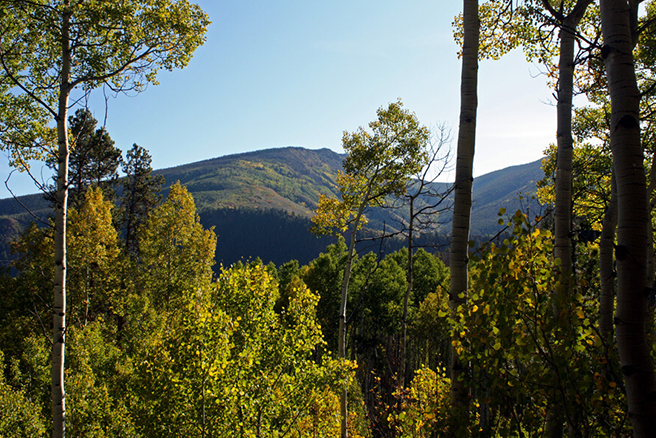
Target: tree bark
632,219
462,202
563,202
606,266
59,308
563,248
410,274
564,157
341,341
651,203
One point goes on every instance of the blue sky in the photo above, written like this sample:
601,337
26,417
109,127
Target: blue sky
299,73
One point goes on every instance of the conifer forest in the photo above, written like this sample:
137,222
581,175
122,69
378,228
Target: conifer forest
117,321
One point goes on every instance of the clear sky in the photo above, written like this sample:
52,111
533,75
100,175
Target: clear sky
299,73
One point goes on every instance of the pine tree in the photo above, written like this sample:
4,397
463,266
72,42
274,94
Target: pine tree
94,160
140,190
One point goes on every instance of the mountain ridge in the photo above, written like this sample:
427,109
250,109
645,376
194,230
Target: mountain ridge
260,202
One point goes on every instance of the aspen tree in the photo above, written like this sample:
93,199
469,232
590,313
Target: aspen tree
632,218
462,202
52,54
377,165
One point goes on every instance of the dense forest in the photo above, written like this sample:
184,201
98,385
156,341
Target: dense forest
266,209
115,319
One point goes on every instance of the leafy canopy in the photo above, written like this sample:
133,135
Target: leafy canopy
48,49
378,164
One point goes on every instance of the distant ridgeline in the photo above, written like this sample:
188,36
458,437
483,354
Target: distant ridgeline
260,204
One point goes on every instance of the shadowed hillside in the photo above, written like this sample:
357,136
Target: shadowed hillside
503,188
260,203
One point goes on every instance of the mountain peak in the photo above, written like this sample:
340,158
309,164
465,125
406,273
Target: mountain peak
261,201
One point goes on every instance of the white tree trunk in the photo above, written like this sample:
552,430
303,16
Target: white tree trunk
59,308
564,157
632,219
341,341
462,199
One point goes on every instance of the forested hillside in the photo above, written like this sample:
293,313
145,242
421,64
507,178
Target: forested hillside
260,203
292,293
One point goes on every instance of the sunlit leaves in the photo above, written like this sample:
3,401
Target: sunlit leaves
500,27
118,44
97,371
229,364
521,350
507,25
389,154
93,257
379,163
19,416
426,407
177,253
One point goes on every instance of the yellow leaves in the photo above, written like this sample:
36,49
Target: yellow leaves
457,346
500,30
521,340
426,405
331,215
177,252
92,237
378,164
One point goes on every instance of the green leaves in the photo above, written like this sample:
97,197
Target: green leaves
388,155
19,415
232,364
378,164
517,345
118,44
177,253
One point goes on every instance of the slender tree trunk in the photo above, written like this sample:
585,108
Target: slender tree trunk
651,262
651,255
563,202
606,266
404,340
632,218
341,341
564,157
59,308
563,248
462,203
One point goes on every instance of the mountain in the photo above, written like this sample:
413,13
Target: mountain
260,203
289,179
512,188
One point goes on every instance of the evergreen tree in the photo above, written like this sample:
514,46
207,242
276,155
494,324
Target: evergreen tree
52,54
94,160
140,194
